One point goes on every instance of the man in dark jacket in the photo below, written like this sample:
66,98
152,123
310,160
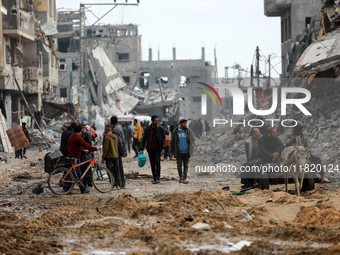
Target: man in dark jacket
64,138
112,148
252,148
128,134
182,146
86,155
119,132
270,148
154,142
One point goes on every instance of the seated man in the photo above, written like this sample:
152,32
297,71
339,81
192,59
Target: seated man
297,137
270,148
251,146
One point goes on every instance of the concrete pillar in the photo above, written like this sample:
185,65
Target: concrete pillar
1,53
150,54
203,54
174,53
8,108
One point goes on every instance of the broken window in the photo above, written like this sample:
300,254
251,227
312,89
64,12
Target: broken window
62,65
144,80
123,56
126,79
308,21
164,80
63,92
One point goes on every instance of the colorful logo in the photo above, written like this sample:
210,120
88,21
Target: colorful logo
204,97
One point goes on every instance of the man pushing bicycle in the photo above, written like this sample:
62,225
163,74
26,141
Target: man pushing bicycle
75,147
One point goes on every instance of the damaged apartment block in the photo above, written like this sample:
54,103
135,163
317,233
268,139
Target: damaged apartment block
132,85
28,54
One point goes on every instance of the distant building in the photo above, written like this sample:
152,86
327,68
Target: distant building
123,46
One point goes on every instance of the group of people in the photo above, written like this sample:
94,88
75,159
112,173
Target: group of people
76,142
265,147
156,141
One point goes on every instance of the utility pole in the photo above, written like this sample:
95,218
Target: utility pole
269,74
252,75
258,65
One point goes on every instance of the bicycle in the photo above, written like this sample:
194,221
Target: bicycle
62,180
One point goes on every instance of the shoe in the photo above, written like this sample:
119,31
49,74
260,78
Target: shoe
136,156
155,182
325,180
246,186
185,182
180,180
122,187
117,187
83,190
25,157
158,181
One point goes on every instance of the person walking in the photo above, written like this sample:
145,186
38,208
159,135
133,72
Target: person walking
111,150
128,134
64,138
137,137
75,147
85,156
167,145
154,142
118,131
27,134
181,147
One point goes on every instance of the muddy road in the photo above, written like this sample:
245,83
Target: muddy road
168,218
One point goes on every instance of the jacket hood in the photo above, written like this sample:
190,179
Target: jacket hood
113,136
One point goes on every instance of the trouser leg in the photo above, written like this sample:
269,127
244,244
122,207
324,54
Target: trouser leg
135,145
158,164
152,156
112,165
179,165
121,172
186,165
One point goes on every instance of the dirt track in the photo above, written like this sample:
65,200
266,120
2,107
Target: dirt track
158,219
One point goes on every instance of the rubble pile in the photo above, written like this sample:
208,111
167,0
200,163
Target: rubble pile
226,145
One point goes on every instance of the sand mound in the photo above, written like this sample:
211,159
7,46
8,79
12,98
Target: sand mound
314,216
172,204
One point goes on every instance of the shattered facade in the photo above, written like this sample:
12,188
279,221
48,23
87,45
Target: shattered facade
156,85
300,19
23,56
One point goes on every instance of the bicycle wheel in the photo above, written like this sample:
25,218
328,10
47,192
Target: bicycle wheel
55,181
102,179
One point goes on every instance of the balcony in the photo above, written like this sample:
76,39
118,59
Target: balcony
18,23
274,8
33,80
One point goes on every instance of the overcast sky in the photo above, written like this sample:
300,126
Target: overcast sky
233,27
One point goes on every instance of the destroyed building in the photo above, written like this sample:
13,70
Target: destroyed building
27,57
297,18
157,85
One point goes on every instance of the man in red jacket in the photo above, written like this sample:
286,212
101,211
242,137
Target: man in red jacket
75,146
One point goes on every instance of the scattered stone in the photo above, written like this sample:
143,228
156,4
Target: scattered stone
23,175
203,226
245,216
34,163
38,189
273,222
